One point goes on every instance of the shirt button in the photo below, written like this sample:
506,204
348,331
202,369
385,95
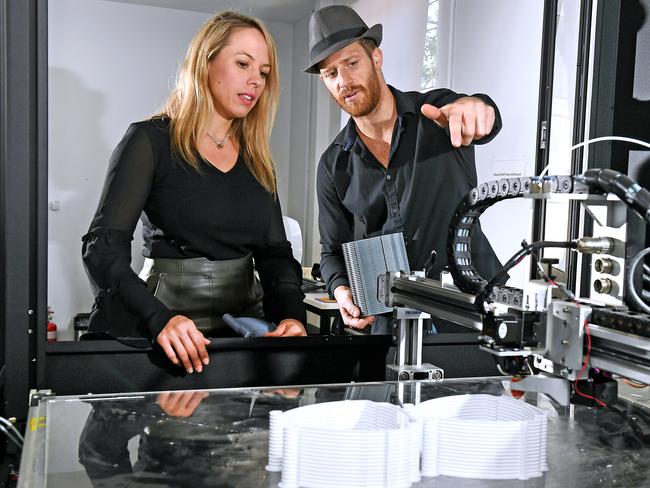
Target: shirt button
388,177
394,210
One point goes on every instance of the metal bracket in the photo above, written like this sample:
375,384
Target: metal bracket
606,212
565,336
35,396
408,336
556,388
422,372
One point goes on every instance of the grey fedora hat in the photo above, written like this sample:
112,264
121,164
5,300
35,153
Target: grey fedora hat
334,27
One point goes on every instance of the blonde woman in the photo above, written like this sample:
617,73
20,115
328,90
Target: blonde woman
201,176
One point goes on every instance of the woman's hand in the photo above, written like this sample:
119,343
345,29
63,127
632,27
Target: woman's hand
283,392
288,328
184,343
180,403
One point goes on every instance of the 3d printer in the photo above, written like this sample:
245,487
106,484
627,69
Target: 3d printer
543,326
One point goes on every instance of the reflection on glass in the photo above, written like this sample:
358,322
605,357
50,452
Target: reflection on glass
128,440
221,442
188,438
180,403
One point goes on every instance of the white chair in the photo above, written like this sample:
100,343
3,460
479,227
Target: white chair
294,236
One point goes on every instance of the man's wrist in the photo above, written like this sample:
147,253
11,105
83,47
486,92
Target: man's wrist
334,284
341,292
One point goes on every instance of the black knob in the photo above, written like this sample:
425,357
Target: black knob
549,262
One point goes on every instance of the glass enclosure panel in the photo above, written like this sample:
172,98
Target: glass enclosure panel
220,437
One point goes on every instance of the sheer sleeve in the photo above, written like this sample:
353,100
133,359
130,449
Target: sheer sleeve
106,247
280,274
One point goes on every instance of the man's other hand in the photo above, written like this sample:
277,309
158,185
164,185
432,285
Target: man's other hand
467,119
349,311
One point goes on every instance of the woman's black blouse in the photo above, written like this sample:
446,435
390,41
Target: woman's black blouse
186,214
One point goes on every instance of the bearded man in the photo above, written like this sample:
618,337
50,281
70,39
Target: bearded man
402,164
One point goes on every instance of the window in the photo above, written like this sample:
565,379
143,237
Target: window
430,60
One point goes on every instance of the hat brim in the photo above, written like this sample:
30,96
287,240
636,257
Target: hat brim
374,33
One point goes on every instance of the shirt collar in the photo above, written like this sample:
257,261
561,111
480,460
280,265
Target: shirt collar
405,105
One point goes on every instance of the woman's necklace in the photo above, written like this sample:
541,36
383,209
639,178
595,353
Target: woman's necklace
219,142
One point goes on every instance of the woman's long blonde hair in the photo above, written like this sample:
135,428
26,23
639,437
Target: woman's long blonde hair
190,105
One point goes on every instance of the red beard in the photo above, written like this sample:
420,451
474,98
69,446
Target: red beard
366,98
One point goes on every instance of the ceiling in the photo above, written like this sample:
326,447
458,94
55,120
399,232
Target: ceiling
289,11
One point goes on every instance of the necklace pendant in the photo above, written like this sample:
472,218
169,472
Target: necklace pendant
219,142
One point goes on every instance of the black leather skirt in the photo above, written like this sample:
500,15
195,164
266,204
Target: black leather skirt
204,290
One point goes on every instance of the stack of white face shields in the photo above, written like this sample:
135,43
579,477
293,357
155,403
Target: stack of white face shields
482,436
359,443
354,443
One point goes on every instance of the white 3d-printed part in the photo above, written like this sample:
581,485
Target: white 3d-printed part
482,436
352,443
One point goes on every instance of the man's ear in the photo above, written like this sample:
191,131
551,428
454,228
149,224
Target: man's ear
377,58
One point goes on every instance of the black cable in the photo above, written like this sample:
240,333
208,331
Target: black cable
12,437
621,185
632,293
484,293
646,278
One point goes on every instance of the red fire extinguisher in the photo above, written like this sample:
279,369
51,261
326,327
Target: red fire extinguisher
51,326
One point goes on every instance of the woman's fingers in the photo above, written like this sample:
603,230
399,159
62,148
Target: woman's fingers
192,353
165,344
182,353
288,328
199,343
184,344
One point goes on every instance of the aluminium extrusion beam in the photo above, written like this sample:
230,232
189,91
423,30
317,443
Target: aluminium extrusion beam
613,351
429,296
621,353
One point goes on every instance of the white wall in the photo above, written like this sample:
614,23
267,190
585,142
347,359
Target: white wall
302,166
281,135
496,49
111,64
403,29
404,26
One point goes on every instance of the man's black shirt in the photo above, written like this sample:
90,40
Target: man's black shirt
417,194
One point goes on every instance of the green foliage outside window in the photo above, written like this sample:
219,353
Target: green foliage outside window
430,61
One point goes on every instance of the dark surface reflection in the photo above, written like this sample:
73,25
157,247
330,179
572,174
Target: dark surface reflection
219,443
219,438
